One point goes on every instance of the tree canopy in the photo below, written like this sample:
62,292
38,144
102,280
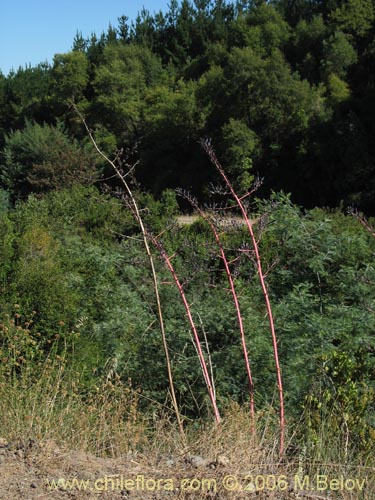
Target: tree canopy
284,89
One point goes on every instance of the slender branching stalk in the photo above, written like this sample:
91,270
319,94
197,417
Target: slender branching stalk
209,359
136,212
206,375
363,221
228,272
239,201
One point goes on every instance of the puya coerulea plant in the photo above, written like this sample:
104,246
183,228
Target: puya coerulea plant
207,147
147,237
230,278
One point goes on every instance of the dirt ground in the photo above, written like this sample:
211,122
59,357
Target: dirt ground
45,471
186,220
31,471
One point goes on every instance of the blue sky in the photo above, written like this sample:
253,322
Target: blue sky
32,31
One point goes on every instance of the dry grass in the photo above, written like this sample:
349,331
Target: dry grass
104,421
107,428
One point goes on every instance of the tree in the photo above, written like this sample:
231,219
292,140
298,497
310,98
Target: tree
120,84
143,32
175,111
41,158
338,55
123,29
338,90
306,48
240,147
354,17
70,74
24,95
267,30
79,43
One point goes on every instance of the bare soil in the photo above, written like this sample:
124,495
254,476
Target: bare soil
185,220
34,471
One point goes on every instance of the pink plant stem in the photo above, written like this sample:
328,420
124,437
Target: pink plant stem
202,361
136,212
238,311
241,327
215,161
365,224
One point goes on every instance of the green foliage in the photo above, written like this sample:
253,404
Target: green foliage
84,210
345,398
308,47
177,111
355,17
241,145
24,95
23,350
69,76
6,247
338,54
297,76
41,158
39,281
158,214
120,84
322,290
338,89
67,268
267,30
4,200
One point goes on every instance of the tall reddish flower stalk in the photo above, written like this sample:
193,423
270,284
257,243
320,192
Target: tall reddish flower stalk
236,303
202,361
136,213
239,200
363,221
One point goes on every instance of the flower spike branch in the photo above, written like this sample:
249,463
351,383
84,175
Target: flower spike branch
206,144
363,221
228,272
136,213
206,375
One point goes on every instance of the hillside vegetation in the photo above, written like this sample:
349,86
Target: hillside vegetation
284,89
